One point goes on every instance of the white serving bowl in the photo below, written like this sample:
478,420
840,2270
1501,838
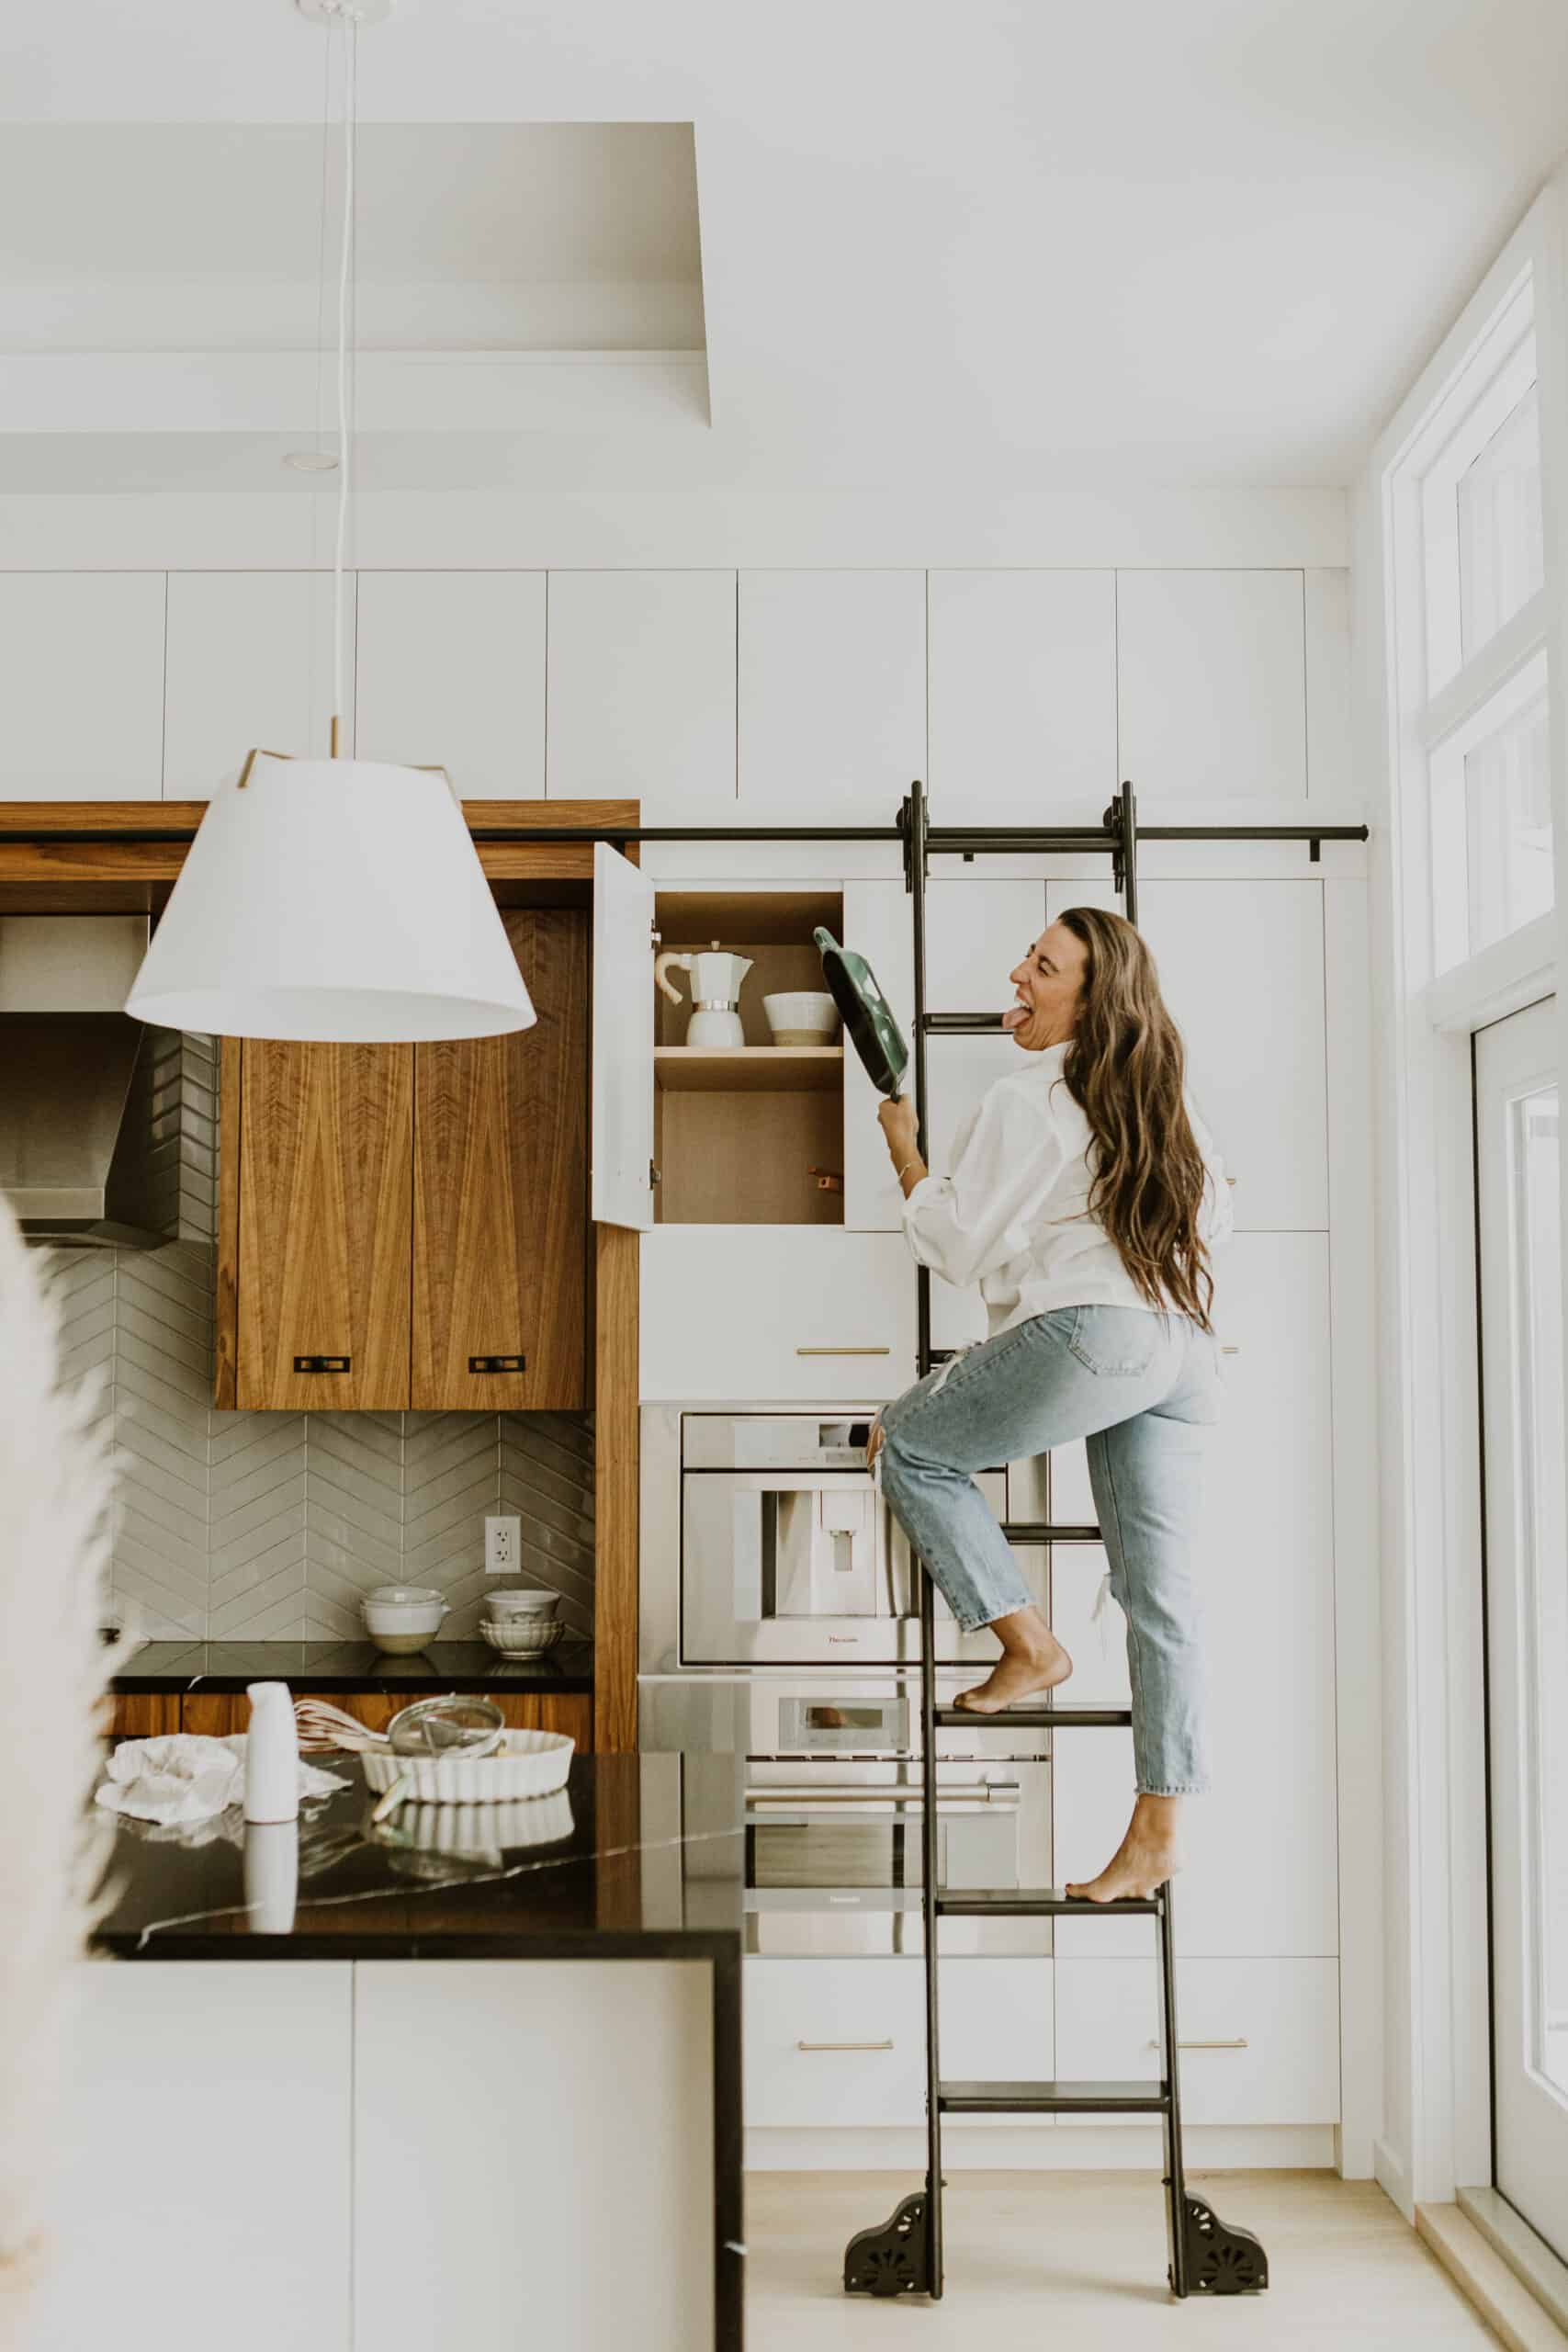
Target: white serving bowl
522,1636
801,1017
518,1602
401,1618
526,1764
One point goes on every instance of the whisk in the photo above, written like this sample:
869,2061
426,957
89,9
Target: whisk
323,1726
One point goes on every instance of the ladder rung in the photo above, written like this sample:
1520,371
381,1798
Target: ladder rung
1053,2098
1042,1718
1045,1530
1030,1902
961,1025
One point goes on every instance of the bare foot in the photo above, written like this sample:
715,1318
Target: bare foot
1148,1855
1021,1673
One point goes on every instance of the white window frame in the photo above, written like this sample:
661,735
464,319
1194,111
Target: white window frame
1436,2105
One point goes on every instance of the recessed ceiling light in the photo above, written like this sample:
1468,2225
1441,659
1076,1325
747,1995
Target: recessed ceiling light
345,12
310,461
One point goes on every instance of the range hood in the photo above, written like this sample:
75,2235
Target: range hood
78,1158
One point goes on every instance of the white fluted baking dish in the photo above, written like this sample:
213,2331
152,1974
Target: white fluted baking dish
526,1764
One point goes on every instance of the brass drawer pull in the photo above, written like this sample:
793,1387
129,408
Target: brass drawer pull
1240,2042
1229,1352
843,2045
843,1352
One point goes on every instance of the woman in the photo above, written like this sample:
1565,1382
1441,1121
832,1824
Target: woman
1084,1199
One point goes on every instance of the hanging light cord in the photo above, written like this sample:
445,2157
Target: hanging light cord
344,430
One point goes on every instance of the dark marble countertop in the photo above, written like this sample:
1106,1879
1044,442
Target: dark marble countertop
350,1665
639,1856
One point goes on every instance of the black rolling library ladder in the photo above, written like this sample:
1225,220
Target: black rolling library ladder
904,2255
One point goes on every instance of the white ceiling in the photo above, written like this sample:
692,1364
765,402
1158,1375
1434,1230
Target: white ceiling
1010,244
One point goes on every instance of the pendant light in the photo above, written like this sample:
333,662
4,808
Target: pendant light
334,900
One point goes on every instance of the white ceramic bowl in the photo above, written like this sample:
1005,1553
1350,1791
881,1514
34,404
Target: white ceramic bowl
526,1764
522,1636
801,1017
400,1618
516,1602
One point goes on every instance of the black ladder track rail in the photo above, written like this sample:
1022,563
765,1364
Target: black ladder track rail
941,841
904,2255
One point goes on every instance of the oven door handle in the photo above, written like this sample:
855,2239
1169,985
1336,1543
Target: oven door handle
827,1804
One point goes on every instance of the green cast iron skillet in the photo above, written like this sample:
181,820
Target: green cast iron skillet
867,1016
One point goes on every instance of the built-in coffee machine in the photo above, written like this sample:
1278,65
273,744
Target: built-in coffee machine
766,1543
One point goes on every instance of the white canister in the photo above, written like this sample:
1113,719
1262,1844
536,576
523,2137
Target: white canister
271,1755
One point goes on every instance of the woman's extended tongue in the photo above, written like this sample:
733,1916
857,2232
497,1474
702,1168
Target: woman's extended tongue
1015,1016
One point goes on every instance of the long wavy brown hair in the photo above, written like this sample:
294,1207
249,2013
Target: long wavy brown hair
1125,1066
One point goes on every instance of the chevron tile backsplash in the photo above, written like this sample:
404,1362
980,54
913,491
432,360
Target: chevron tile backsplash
272,1525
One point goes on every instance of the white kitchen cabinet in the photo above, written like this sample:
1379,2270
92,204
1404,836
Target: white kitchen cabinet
642,691
960,1072
977,929
621,1120
1330,775
1241,968
837,2041
1212,685
834,2041
1257,2040
250,666
533,2155
450,670
81,685
1261,1876
773,1312
833,695
1022,694
248,2226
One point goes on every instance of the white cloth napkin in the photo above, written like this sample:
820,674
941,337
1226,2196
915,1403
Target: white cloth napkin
184,1777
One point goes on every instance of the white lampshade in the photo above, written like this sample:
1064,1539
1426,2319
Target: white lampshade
338,899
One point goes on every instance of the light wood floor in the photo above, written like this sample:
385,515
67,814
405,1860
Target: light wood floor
1076,2262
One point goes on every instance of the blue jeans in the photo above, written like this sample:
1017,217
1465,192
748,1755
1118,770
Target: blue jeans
1144,1389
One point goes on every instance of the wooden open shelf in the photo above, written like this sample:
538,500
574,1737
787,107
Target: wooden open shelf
747,1069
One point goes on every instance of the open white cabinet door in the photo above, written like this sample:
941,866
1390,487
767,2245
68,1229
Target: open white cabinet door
621,1191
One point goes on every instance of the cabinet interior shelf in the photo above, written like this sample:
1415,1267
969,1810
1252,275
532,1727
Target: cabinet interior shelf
747,1069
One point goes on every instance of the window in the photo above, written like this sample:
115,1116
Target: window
1482,711
1498,498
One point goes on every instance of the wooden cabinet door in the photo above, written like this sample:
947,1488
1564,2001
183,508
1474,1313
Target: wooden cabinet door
326,1228
499,1194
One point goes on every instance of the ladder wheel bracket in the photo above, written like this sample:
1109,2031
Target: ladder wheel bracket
894,2259
1222,2257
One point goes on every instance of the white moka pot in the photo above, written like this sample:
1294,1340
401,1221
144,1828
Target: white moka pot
715,977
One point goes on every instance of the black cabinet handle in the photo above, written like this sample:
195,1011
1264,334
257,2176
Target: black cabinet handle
323,1364
498,1364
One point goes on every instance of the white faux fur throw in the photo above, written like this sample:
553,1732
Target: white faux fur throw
55,1492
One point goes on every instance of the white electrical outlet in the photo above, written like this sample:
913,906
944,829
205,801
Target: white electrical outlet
504,1546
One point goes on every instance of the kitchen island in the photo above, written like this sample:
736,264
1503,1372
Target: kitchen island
493,2094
